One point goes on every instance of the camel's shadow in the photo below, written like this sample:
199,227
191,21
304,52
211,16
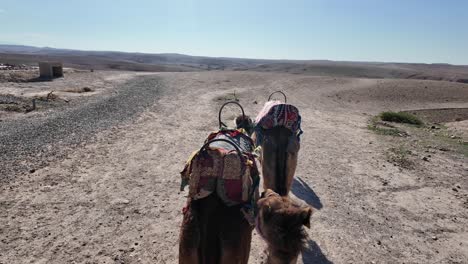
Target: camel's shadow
302,191
312,252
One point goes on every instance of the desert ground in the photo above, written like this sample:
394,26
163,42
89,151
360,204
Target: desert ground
93,176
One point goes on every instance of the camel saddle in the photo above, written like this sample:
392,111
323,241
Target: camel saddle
224,165
275,114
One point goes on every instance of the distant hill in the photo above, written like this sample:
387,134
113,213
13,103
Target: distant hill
18,54
164,59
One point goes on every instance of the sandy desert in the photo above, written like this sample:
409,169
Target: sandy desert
92,175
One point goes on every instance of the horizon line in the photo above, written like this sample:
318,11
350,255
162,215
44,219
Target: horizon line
243,58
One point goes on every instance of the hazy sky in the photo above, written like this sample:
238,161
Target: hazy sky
364,30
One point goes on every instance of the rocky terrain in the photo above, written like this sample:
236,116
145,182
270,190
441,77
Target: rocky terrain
93,177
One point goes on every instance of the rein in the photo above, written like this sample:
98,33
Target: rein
258,228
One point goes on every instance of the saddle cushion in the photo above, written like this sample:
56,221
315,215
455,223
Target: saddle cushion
280,115
275,114
218,168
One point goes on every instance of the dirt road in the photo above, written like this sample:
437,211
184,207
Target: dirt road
115,199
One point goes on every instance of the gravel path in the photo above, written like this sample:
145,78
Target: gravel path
25,146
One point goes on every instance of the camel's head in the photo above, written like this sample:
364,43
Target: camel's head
244,122
281,223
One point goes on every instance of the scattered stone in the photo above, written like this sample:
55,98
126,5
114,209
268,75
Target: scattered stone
120,201
255,102
434,238
32,170
379,242
455,189
425,158
46,189
444,149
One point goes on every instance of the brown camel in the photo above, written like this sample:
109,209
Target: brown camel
280,223
212,232
215,228
278,159
244,122
277,135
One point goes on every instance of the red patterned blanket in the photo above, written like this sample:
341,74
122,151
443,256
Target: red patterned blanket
219,168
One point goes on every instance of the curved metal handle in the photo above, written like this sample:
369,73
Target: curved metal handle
221,124
285,99
241,157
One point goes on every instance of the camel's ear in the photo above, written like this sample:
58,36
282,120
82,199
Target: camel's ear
306,214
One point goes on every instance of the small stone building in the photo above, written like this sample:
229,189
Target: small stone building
50,69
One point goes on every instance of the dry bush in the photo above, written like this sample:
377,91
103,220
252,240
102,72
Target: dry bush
400,117
79,90
11,108
19,76
400,157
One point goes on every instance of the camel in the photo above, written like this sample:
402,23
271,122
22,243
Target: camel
218,222
277,136
218,219
212,232
215,233
244,122
280,223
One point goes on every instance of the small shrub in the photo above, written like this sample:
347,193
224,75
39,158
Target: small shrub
12,108
386,131
400,117
79,90
383,128
400,156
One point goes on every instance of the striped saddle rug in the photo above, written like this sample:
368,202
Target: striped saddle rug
224,165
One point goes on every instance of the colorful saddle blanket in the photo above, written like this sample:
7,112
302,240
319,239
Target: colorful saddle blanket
219,168
275,114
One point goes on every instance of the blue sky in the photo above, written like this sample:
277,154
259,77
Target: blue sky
427,31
